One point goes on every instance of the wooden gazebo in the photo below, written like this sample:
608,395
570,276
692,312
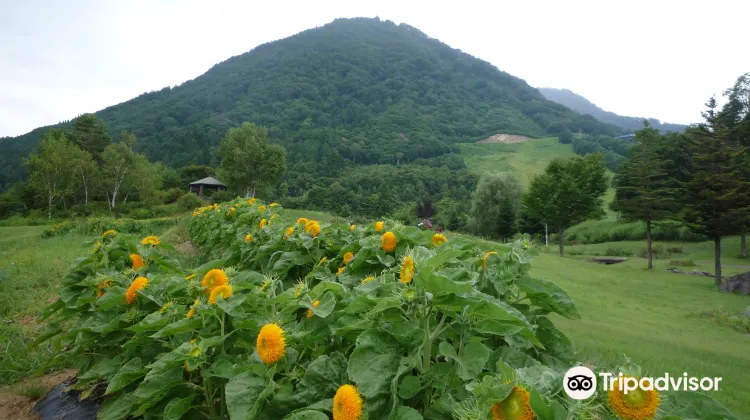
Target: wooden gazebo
206,184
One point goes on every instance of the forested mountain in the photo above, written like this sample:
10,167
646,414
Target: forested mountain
580,104
355,91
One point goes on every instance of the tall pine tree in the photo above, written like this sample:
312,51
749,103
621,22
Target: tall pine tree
716,194
644,189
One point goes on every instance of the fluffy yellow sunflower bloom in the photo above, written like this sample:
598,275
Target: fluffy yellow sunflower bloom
438,239
251,201
262,208
347,403
110,232
514,407
378,226
151,240
273,205
224,291
192,311
289,232
271,344
213,279
139,283
248,237
137,261
315,305
348,257
302,221
352,227
313,228
100,287
407,270
262,223
388,242
635,405
484,259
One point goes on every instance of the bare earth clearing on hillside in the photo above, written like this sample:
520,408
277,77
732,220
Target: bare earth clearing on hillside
505,138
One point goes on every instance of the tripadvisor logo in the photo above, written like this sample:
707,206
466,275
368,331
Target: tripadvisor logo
580,383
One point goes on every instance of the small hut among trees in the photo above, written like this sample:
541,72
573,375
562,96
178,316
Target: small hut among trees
207,184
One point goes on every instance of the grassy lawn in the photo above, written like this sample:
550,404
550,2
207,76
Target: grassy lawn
655,319
524,159
30,268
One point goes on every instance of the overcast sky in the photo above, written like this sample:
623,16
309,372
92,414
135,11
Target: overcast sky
659,59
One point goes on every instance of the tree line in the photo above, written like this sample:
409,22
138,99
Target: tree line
700,178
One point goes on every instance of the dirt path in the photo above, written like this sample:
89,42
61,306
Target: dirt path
18,407
505,138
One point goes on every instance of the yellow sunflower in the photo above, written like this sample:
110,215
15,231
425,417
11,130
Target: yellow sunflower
407,270
322,260
348,257
110,232
262,208
151,240
248,237
262,223
438,239
352,227
514,407
368,279
139,283
224,291
271,344
388,242
251,201
347,403
484,260
273,216
165,307
265,285
100,287
302,221
298,289
313,228
213,279
378,226
192,311
289,232
635,405
315,305
339,271
137,261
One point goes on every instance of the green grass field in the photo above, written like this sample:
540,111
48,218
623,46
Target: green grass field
655,317
523,159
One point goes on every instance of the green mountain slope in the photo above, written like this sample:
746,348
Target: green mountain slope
580,104
355,91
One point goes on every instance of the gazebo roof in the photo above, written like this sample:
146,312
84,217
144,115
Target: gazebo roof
209,181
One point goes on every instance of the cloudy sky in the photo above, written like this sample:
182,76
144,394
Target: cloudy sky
659,59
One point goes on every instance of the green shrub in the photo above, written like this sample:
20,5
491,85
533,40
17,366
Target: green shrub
222,196
600,231
675,250
141,214
617,252
189,202
656,250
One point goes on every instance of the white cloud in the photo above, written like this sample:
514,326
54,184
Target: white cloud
654,59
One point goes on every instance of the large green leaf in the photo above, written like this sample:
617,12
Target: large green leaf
177,408
406,413
472,359
693,405
492,389
373,364
549,296
325,306
128,373
245,394
155,386
181,326
442,282
307,415
118,408
545,380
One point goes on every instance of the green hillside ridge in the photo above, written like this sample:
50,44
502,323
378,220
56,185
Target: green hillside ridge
355,91
580,104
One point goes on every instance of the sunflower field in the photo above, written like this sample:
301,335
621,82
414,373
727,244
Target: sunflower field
302,320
